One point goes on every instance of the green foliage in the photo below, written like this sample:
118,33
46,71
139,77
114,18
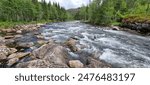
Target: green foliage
107,12
30,10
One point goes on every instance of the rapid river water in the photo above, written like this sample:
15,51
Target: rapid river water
119,48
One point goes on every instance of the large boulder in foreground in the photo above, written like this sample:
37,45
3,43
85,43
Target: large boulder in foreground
47,56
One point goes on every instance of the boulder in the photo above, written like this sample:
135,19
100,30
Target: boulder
12,61
47,56
115,28
18,36
18,55
24,44
42,42
71,43
75,64
52,53
19,31
40,37
2,56
95,63
39,63
6,50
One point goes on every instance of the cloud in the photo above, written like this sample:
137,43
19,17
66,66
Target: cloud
70,3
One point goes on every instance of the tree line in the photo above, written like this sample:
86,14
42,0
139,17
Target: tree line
108,11
31,10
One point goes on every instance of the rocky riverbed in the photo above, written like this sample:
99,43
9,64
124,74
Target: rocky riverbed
72,45
24,46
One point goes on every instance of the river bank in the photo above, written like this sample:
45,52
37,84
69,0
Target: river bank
23,46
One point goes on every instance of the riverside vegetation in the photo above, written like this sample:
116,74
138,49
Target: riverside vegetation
25,44
134,14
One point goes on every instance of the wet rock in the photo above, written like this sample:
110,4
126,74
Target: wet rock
75,64
42,42
18,36
115,28
24,44
12,61
40,37
71,43
18,55
95,63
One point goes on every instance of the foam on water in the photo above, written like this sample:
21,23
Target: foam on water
121,49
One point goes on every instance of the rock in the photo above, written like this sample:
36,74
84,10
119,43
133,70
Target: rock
18,55
40,64
10,42
71,43
42,42
18,36
2,56
12,50
2,41
19,32
40,37
12,61
93,63
75,64
9,37
51,55
115,28
24,44
51,52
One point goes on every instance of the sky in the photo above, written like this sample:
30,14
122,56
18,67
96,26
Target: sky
68,4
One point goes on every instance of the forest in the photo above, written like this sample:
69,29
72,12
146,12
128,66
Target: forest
30,10
105,12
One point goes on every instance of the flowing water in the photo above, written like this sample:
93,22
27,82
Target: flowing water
119,48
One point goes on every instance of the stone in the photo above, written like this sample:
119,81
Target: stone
18,36
115,28
19,32
9,37
40,64
25,44
75,64
12,61
94,63
2,56
42,42
7,51
2,41
71,43
51,52
40,37
18,55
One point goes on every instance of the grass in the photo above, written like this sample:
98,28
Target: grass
6,24
141,18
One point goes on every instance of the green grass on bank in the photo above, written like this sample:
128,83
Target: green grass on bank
141,18
5,25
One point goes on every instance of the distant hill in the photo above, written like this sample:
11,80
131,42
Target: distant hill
73,11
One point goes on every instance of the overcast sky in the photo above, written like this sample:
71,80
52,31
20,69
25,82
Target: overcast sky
71,3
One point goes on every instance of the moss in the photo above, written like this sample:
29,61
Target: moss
137,18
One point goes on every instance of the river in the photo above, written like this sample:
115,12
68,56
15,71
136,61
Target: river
119,48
